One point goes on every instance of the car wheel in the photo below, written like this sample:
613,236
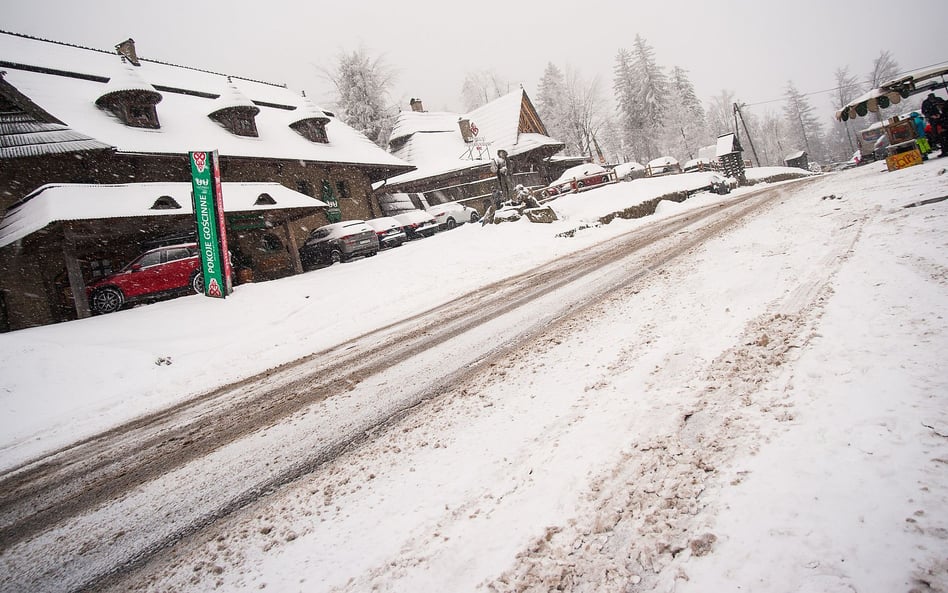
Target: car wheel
371,253
197,282
474,216
580,184
451,223
107,300
335,257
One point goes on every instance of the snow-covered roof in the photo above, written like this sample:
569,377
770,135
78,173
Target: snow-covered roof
795,155
58,202
22,135
432,141
726,144
67,80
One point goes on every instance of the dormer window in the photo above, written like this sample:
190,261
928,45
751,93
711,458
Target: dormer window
165,203
238,120
135,108
264,199
313,129
131,99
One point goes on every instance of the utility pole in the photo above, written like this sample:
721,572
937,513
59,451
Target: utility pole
737,113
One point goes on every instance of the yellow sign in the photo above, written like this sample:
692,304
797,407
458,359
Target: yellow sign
904,159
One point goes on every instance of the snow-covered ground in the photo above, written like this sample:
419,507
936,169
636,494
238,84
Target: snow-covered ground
767,414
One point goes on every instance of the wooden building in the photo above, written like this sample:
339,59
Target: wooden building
453,152
74,115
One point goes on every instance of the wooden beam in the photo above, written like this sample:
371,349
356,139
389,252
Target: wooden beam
294,249
74,271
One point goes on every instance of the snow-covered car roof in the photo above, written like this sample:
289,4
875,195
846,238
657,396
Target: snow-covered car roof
446,206
413,216
624,169
579,171
383,223
663,161
338,229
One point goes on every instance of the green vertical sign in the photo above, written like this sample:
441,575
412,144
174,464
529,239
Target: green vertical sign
208,217
333,213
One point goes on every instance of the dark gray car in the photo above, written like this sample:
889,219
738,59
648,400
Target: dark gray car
339,242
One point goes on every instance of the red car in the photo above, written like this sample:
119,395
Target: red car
159,273
579,178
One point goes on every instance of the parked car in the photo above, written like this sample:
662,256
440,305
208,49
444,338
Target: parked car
664,165
579,178
159,273
629,171
417,223
452,214
388,230
339,242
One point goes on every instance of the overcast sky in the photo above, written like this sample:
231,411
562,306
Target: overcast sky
750,47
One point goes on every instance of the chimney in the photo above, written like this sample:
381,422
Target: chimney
416,105
466,133
127,49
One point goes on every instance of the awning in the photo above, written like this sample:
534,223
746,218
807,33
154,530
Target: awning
892,92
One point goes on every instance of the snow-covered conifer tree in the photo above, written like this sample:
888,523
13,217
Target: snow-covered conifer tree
551,102
362,84
804,130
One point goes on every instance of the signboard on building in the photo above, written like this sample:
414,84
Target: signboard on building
209,218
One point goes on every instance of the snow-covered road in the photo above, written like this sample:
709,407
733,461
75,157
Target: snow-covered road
768,413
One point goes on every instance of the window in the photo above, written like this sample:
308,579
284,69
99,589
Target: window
304,187
313,129
150,259
237,120
100,268
135,108
270,243
177,253
342,188
265,199
165,203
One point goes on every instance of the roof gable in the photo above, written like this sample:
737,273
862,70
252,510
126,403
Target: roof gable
432,141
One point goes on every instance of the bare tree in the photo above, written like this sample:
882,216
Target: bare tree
482,87
884,68
720,114
583,114
839,140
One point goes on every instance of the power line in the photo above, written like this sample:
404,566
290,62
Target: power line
835,88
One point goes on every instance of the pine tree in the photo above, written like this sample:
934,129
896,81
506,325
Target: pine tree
650,94
362,84
685,127
805,131
551,102
630,120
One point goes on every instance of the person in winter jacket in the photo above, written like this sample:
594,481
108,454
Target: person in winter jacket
933,107
922,139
